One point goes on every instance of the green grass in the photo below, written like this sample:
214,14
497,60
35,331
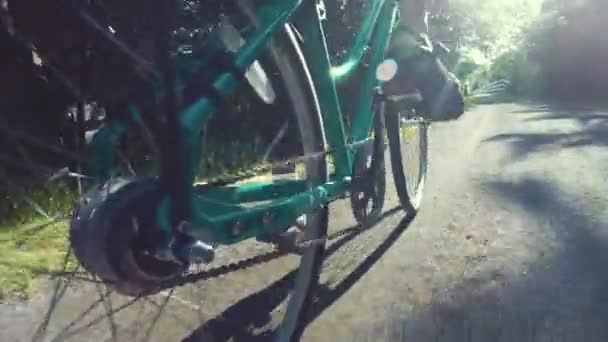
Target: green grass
28,204
28,251
229,159
29,246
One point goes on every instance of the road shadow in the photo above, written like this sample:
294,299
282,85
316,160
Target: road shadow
252,310
532,107
560,297
591,130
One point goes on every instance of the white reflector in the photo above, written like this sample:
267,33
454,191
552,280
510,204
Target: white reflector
256,76
387,70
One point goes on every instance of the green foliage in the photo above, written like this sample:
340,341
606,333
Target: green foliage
543,48
489,38
21,207
229,159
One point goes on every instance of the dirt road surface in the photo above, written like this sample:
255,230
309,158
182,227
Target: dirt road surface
511,245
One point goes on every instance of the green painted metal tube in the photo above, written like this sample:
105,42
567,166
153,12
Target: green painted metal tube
256,192
342,72
363,119
319,63
101,160
228,225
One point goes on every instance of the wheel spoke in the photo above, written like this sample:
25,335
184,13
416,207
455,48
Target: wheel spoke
66,334
28,234
35,170
172,313
13,187
58,293
80,317
142,66
148,136
278,137
127,163
161,308
107,303
15,133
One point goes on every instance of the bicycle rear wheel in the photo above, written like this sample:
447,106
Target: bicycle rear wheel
287,89
408,145
264,299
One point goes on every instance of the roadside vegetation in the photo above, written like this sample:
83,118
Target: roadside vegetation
544,49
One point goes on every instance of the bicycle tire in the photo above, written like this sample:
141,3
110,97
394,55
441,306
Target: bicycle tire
299,85
290,60
409,193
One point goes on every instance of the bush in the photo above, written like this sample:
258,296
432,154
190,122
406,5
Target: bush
550,51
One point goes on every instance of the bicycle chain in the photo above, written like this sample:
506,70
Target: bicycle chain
252,172
244,264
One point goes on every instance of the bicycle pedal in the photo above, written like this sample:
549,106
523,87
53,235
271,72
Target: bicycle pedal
289,244
285,241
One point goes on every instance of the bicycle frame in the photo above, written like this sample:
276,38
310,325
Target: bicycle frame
217,216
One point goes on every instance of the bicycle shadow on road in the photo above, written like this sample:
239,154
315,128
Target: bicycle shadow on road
250,311
561,297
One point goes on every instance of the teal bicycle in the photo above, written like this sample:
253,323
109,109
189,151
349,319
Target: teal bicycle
145,235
